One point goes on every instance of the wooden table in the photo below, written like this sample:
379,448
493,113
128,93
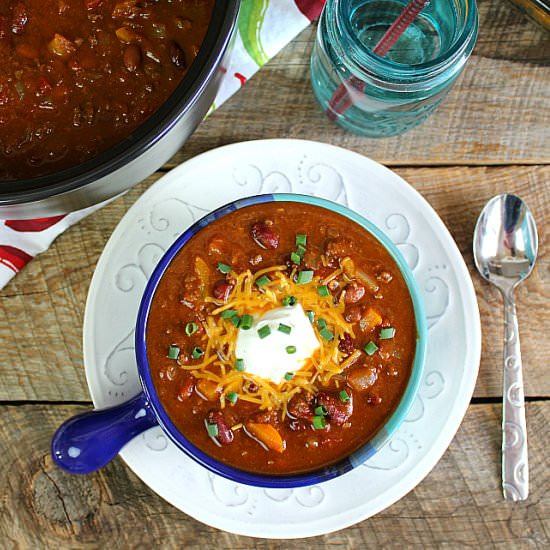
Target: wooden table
491,135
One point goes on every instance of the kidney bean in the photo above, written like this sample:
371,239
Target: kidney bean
301,406
225,434
177,55
264,417
264,235
19,18
221,290
346,344
186,387
338,411
354,292
132,57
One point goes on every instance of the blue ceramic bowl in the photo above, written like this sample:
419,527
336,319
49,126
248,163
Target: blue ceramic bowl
87,442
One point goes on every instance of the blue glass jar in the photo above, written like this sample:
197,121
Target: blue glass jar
384,96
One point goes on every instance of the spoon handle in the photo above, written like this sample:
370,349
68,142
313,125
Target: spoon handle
515,469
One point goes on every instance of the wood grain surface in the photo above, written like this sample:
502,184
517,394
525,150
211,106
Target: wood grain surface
458,505
490,136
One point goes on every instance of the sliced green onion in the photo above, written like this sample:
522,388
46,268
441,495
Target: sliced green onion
387,333
310,315
370,348
263,280
323,290
246,322
284,328
301,239
319,422
321,410
228,313
326,334
304,277
344,396
224,268
321,323
300,250
289,301
290,349
212,430
232,397
236,320
191,328
197,352
295,258
239,365
264,331
289,376
173,352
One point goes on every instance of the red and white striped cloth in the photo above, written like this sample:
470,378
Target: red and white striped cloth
265,26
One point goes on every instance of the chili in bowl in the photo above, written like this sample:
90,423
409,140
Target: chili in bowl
280,342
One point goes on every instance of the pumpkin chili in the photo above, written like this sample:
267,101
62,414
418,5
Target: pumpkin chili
280,338
78,76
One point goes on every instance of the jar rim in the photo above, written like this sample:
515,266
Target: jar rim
419,72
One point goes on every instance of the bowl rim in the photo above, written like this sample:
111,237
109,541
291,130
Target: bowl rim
359,456
146,135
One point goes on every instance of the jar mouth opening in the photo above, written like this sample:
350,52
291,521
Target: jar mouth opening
465,36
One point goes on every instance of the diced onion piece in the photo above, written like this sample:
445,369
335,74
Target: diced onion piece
202,271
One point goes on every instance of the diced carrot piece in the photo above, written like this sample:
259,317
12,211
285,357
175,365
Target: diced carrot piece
370,319
208,389
268,435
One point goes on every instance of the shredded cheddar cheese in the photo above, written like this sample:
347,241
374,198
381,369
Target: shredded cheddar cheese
219,361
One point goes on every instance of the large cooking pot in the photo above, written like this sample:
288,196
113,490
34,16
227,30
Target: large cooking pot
148,148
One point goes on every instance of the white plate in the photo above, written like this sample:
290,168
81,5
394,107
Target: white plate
222,175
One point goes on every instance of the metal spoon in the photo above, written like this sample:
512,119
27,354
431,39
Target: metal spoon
505,250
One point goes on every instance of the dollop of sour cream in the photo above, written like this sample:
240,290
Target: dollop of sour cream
269,357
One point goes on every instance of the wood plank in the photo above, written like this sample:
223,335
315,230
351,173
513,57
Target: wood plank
41,310
497,113
459,504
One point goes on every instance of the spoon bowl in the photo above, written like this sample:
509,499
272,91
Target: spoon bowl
505,251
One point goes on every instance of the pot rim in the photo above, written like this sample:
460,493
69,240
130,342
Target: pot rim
359,456
180,102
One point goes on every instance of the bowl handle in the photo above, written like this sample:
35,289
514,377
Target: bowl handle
89,441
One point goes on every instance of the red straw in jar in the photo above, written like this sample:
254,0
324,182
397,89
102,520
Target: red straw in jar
341,100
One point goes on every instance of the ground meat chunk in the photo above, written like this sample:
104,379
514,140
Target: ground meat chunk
354,292
338,411
339,248
225,434
301,406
